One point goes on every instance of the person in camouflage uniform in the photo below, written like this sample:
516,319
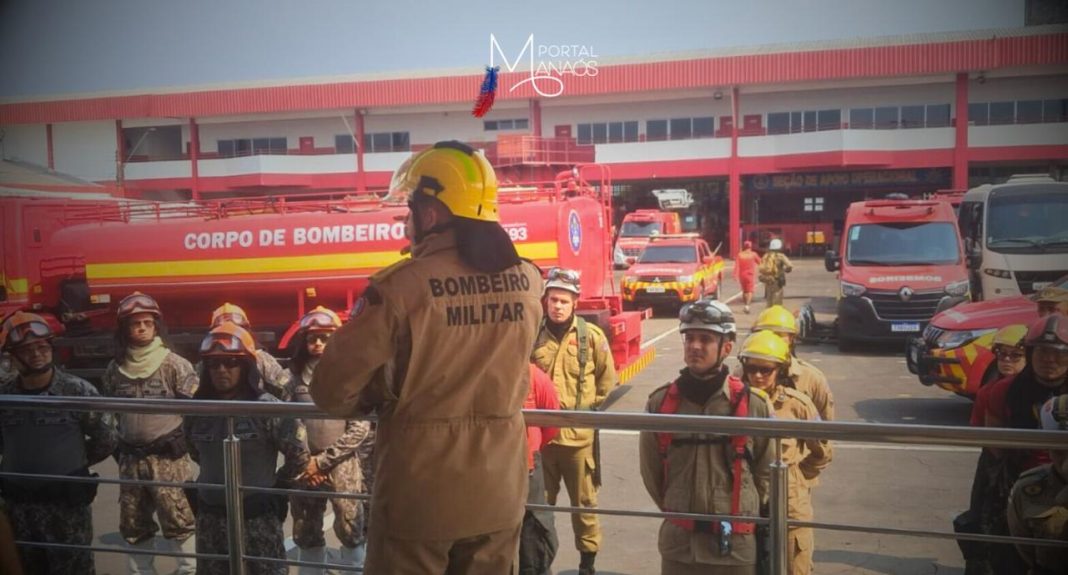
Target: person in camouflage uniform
151,447
334,464
53,442
229,373
275,378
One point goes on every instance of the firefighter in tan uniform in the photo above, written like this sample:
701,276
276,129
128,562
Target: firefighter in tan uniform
577,357
1038,505
151,447
434,347
693,473
765,356
275,377
805,377
334,464
772,272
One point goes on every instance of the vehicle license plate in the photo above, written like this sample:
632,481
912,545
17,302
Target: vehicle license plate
904,327
1040,285
655,289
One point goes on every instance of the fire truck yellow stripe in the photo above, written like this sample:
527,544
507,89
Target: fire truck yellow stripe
969,353
15,285
234,266
639,364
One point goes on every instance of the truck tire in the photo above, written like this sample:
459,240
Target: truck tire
719,287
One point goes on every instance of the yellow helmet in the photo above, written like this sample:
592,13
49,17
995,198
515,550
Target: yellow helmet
229,312
454,173
767,346
320,319
777,319
1010,335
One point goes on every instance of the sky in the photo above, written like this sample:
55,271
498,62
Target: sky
57,47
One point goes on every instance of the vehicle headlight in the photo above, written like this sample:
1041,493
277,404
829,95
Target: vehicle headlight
957,288
954,339
1003,274
851,289
686,279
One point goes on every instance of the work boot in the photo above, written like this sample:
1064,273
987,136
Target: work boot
142,564
352,556
311,555
586,563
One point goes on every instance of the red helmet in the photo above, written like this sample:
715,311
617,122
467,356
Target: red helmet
228,339
1049,331
138,302
20,327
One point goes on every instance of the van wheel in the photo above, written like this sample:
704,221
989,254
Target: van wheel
719,284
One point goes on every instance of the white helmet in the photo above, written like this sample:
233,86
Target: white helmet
565,279
707,315
775,244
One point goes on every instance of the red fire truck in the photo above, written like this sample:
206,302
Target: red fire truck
277,258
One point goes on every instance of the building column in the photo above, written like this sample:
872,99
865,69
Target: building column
361,176
734,196
194,154
50,148
960,148
535,117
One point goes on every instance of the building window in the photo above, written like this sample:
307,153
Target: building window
704,127
937,115
829,120
630,131
250,146
615,132
681,129
1055,110
862,118
656,130
809,121
779,123
886,118
600,133
387,142
1002,113
513,124
912,116
585,135
607,133
979,114
344,144
226,148
1028,111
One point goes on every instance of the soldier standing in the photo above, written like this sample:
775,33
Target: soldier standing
52,442
151,447
772,272
334,464
765,364
1038,505
695,473
275,377
577,357
432,348
229,373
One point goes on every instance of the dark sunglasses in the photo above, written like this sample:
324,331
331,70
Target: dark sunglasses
758,370
227,362
314,337
1005,355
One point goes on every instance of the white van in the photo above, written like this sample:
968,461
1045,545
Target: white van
1016,235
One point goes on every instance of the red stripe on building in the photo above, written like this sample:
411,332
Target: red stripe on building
830,64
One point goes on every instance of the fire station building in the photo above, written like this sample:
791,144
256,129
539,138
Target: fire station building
771,140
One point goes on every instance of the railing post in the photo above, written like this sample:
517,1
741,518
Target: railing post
777,512
234,514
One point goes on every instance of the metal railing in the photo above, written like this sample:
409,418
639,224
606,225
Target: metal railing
659,423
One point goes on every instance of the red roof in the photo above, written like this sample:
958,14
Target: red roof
938,54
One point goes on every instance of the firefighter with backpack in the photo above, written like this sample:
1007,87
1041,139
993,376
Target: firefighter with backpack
577,357
711,474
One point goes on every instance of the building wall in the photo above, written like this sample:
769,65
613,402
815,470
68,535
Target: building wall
25,143
85,150
845,99
322,130
1021,88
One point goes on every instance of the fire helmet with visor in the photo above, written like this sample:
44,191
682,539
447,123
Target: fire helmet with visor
136,303
231,313
707,315
454,173
228,339
765,345
565,279
21,328
1050,331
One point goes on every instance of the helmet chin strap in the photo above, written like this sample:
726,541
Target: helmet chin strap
26,370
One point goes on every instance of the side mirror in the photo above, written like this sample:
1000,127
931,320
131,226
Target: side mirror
830,261
975,259
708,259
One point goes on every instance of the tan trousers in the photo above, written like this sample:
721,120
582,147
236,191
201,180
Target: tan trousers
801,543
773,294
488,554
676,568
575,466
